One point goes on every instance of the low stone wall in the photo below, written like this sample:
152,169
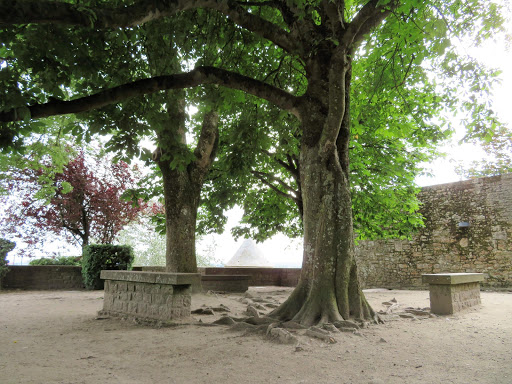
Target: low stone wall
225,283
143,268
43,277
148,295
282,277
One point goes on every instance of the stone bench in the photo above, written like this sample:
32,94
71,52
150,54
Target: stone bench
225,283
147,296
453,292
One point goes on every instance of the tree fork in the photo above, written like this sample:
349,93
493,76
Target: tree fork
182,188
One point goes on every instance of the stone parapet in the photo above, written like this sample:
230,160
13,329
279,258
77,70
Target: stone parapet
259,276
225,283
43,277
452,278
152,277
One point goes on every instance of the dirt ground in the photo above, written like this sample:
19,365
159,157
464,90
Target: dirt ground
57,337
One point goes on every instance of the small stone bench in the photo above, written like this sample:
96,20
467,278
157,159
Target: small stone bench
453,292
159,296
225,283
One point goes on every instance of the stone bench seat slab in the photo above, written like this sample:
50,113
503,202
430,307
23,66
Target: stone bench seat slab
152,277
452,278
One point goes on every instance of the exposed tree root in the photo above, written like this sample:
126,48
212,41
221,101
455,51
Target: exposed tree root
292,305
318,304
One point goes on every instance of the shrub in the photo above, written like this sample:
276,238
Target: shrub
61,260
104,256
42,261
5,247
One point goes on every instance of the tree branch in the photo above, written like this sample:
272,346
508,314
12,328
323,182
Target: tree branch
198,76
277,190
370,15
289,167
142,11
260,175
208,139
332,14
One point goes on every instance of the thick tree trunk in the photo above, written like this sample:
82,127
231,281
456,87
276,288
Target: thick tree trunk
328,289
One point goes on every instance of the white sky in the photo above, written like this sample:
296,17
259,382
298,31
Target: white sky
494,55
282,251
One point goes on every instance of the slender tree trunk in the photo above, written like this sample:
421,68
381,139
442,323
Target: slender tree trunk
182,189
181,201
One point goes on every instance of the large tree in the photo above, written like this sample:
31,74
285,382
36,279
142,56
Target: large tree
321,39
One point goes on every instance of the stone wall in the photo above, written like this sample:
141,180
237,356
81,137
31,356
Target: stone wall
282,277
485,246
445,244
42,277
225,283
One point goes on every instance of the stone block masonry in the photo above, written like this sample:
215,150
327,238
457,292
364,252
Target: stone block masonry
225,283
148,296
453,292
43,277
259,276
468,228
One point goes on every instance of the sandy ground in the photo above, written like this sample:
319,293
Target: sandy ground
56,337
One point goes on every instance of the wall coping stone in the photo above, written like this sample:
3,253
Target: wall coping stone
224,277
168,278
27,267
452,278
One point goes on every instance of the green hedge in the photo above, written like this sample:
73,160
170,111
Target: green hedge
61,260
104,256
6,246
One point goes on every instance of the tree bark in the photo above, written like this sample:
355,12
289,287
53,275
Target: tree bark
328,288
181,196
182,188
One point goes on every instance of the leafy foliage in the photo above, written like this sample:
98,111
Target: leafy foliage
60,260
147,243
407,78
363,70
5,247
50,147
86,203
499,157
100,257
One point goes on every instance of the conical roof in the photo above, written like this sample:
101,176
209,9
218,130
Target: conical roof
248,256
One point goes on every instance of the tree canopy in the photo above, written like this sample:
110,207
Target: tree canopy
368,86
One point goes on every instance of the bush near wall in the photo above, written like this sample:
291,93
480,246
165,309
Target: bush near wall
61,260
5,247
104,256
